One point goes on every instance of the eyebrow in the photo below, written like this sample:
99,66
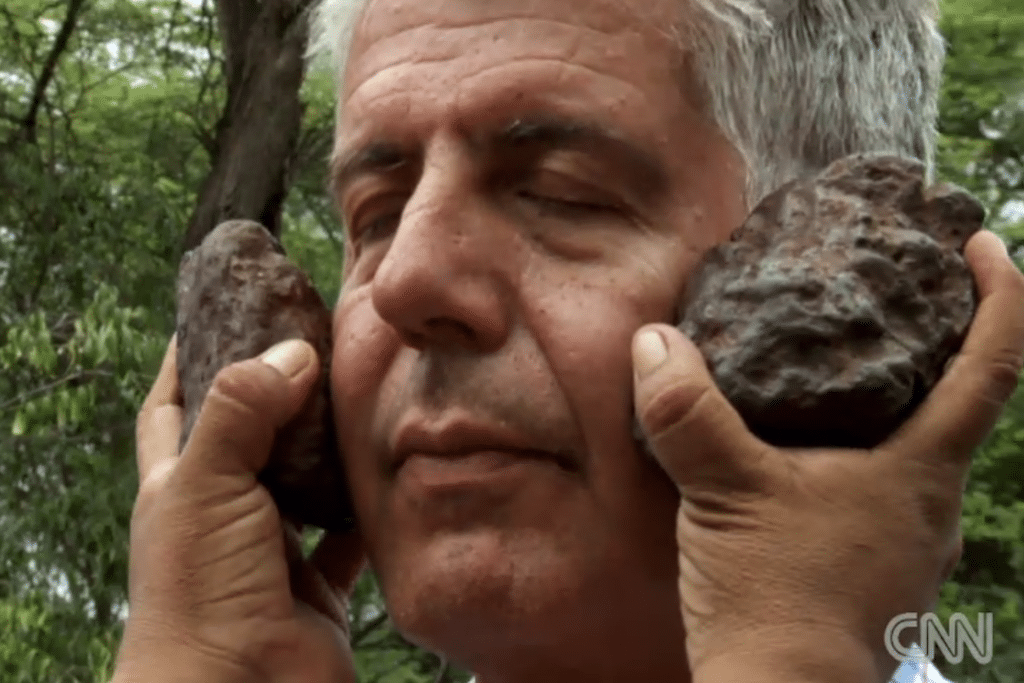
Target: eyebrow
642,167
376,157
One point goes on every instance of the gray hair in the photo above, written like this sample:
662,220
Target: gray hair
792,84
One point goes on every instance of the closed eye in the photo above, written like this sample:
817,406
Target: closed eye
379,227
377,217
563,205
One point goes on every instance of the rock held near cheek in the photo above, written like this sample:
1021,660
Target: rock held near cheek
238,295
831,313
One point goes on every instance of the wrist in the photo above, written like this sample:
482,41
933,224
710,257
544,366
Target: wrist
150,660
172,669
807,655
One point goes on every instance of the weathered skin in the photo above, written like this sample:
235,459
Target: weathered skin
238,295
832,311
826,318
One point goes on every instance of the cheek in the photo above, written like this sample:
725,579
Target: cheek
585,320
585,328
364,350
627,513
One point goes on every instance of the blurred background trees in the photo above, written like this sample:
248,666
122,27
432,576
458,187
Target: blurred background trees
982,148
126,131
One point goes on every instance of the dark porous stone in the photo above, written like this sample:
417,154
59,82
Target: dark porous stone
832,311
238,295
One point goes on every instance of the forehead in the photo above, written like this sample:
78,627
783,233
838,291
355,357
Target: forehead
412,57
384,23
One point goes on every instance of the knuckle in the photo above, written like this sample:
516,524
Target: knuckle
157,479
145,500
673,405
141,425
992,377
143,418
1014,281
938,493
148,493
1004,375
151,488
245,387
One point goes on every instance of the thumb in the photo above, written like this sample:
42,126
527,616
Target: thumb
691,428
246,404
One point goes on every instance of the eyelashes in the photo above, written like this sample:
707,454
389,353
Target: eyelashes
381,227
567,208
382,215
377,216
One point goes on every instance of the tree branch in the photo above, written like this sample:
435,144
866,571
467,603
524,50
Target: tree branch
50,67
170,34
50,386
236,19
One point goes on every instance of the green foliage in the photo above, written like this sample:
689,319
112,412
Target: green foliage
982,149
381,654
105,172
312,236
106,176
982,107
44,643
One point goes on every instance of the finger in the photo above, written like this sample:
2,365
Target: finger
694,432
308,584
158,424
245,406
966,403
341,558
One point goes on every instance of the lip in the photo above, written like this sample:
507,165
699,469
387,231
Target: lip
459,437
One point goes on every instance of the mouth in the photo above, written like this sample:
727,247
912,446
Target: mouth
462,440
489,454
491,474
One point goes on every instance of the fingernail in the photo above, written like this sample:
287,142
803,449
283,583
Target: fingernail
289,357
649,352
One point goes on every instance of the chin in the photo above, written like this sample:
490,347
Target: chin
467,594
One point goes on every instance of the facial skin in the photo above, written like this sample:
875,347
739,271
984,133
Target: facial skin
526,185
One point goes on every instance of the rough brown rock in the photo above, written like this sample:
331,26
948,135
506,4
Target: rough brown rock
238,295
832,311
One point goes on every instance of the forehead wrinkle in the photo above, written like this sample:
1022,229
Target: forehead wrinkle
525,17
567,41
548,92
624,14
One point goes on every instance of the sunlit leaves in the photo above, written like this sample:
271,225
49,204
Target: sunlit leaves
982,148
91,220
982,107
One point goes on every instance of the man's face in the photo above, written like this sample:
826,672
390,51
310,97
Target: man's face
525,185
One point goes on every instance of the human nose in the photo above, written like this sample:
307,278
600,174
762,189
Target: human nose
441,282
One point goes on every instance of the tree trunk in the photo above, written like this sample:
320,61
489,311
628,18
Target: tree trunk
264,44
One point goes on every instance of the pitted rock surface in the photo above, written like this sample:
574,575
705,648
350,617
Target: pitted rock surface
238,295
832,311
